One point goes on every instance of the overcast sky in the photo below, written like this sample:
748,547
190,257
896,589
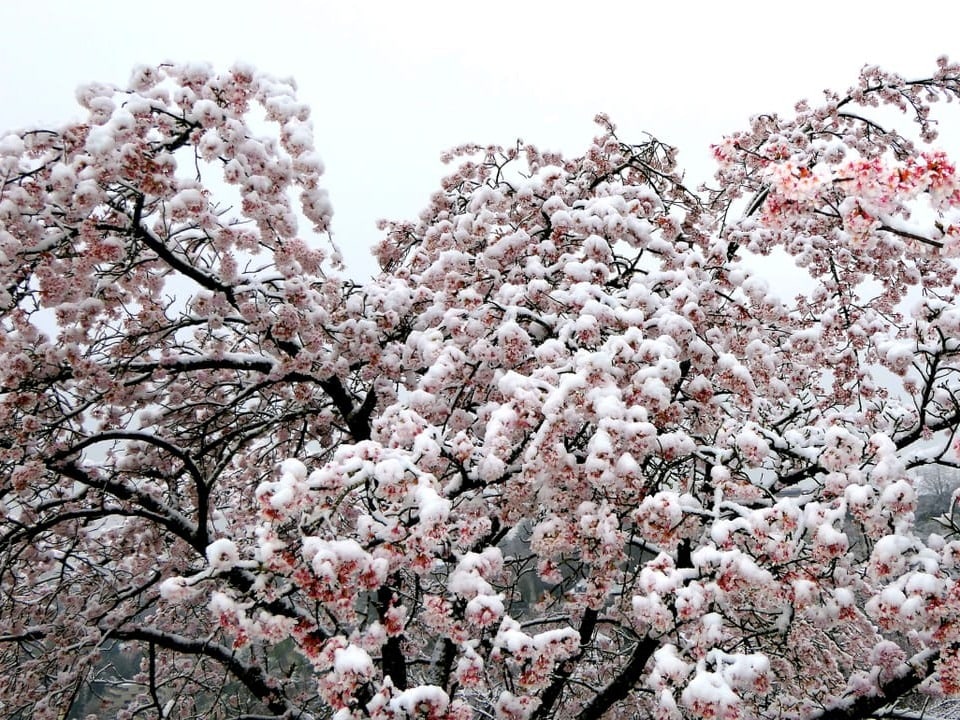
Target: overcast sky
393,84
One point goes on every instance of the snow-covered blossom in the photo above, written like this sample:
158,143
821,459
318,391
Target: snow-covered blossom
575,450
222,554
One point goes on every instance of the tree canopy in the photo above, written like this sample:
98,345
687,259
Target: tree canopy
568,454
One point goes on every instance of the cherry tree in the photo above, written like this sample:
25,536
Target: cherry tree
567,455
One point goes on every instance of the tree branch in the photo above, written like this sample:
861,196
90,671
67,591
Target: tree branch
175,522
394,663
550,696
179,264
907,677
624,682
203,499
251,676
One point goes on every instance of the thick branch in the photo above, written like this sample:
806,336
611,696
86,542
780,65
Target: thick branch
203,495
161,513
550,696
143,437
245,363
908,676
250,675
178,263
620,688
394,663
357,419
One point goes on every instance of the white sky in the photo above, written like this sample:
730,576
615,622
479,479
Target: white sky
394,83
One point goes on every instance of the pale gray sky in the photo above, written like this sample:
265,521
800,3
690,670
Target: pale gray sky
393,84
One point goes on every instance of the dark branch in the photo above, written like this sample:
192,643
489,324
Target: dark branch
394,663
250,675
909,676
553,692
620,688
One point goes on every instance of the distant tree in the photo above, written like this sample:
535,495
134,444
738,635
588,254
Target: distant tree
938,482
935,487
567,455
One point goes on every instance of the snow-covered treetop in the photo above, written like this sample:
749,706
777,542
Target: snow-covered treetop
568,454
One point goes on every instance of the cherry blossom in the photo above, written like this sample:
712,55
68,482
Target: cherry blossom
569,453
